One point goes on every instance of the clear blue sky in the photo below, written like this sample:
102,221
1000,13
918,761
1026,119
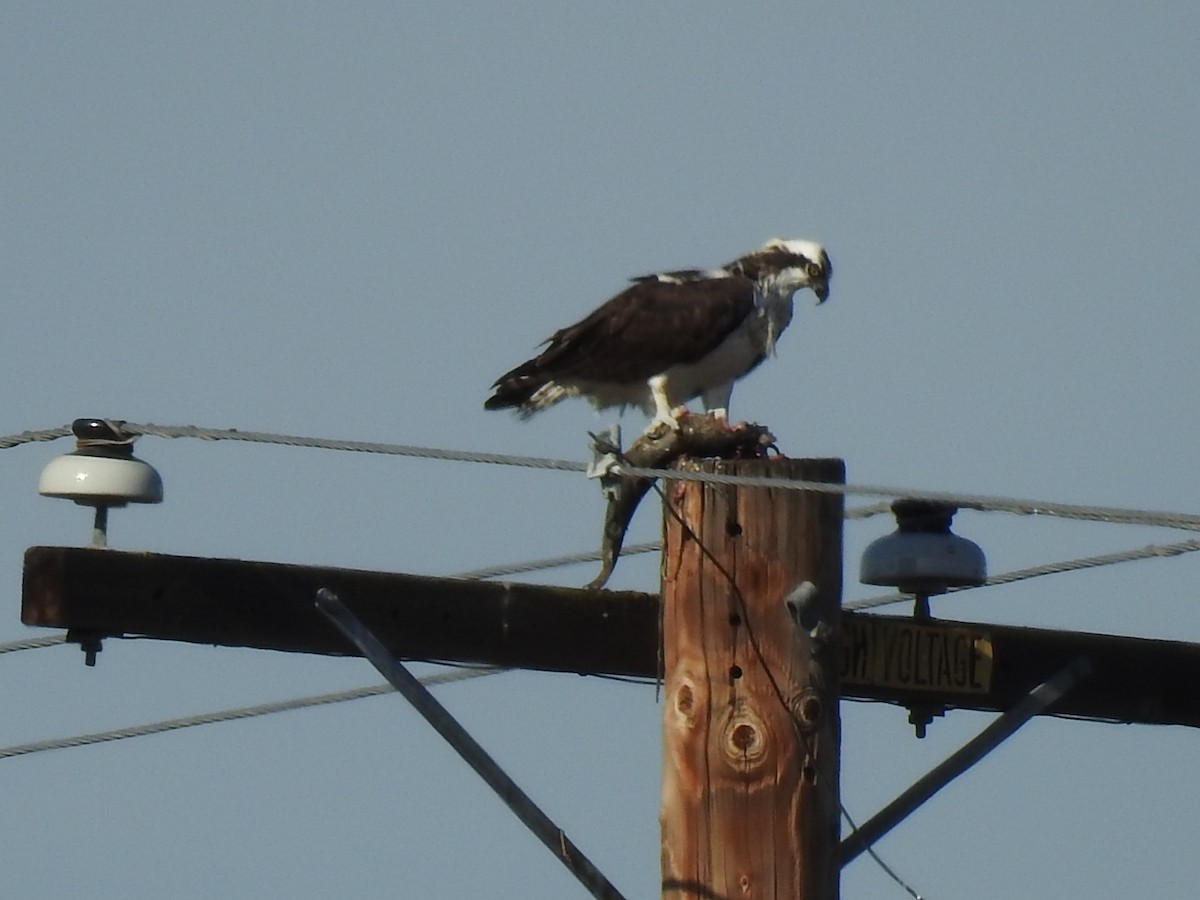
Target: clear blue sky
347,221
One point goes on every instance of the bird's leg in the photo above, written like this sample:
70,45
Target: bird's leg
662,405
716,402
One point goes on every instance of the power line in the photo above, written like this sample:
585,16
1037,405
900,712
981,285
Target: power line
982,502
979,502
29,437
388,449
245,712
555,562
32,643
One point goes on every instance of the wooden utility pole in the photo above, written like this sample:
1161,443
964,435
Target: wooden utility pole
750,713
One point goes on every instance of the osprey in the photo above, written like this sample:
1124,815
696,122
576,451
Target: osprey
672,336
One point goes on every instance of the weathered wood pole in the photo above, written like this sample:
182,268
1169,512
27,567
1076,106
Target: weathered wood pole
750,711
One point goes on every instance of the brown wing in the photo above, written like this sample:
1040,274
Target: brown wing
642,331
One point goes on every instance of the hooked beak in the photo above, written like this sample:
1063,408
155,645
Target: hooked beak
821,289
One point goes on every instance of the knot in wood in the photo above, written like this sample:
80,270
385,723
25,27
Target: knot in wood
744,737
687,702
806,710
745,740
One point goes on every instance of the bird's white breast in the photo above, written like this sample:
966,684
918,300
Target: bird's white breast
742,348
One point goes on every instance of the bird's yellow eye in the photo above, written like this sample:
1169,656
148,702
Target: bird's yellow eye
813,270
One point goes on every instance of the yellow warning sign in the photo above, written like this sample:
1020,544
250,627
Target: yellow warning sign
916,657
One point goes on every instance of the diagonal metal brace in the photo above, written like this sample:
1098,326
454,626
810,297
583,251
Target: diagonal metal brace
1032,704
466,746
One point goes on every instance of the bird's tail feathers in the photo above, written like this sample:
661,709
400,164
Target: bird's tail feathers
526,396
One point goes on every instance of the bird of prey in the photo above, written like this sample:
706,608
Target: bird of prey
672,336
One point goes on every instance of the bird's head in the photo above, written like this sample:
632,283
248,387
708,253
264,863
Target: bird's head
785,266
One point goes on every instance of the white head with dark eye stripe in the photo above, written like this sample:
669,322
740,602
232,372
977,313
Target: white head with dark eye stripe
784,266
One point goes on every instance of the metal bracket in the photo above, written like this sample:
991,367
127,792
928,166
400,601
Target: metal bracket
466,746
606,453
89,641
